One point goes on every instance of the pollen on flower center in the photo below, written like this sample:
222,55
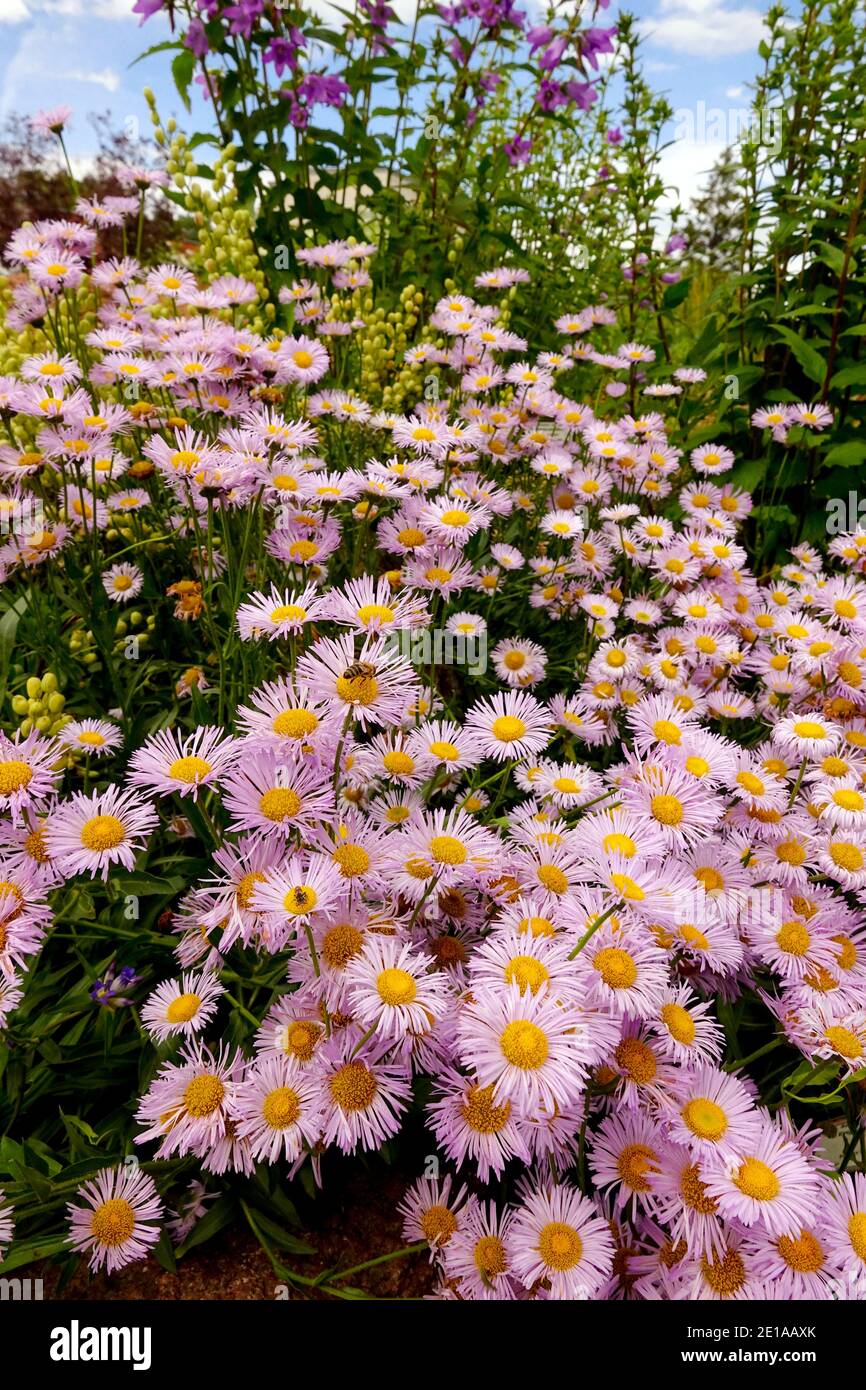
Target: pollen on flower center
295,723
857,1233
102,832
353,1086
444,751
633,1164
637,1060
802,1253
793,938
113,1222
843,1041
351,860
552,878
559,1246
489,1257
396,761
617,843
725,1275
183,1008
705,1119
357,690
679,1023
756,1179
480,1112
616,967
667,809
203,1096
438,1224
300,900
447,849
372,612
396,986
281,1107
524,1045
279,803
15,775
527,972
189,770
340,944
507,728
288,612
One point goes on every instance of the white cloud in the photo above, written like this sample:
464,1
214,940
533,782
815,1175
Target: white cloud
686,164
13,11
107,78
734,92
704,29
17,11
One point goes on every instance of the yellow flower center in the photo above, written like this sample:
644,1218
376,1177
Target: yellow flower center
843,1041
559,1246
281,1107
447,849
756,1179
203,1096
279,804
102,832
527,972
679,1023
524,1045
616,967
507,728
189,770
183,1008
552,878
396,986
667,809
802,1253
300,900
15,775
358,690
352,860
705,1118
353,1086
295,723
113,1222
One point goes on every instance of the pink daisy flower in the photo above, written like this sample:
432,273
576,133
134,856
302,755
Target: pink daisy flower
559,1236
116,1219
93,831
170,762
276,1108
181,1006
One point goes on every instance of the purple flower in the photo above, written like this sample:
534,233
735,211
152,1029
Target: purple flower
670,277
594,41
108,991
583,94
146,8
550,95
614,136
551,56
243,16
283,53
518,150
677,242
196,38
538,37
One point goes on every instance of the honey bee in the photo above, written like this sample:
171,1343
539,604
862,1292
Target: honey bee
300,897
358,669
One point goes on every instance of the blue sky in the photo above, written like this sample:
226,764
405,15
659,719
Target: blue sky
701,53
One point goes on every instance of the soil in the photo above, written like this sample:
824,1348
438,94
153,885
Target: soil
355,1223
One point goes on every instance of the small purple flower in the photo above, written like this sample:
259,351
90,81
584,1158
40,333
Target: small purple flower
196,38
538,37
678,242
614,136
518,150
109,991
595,41
146,8
552,55
283,53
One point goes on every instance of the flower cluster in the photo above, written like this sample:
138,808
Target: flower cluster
541,887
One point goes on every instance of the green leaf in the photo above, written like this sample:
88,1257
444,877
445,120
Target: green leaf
849,376
182,69
847,455
810,360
